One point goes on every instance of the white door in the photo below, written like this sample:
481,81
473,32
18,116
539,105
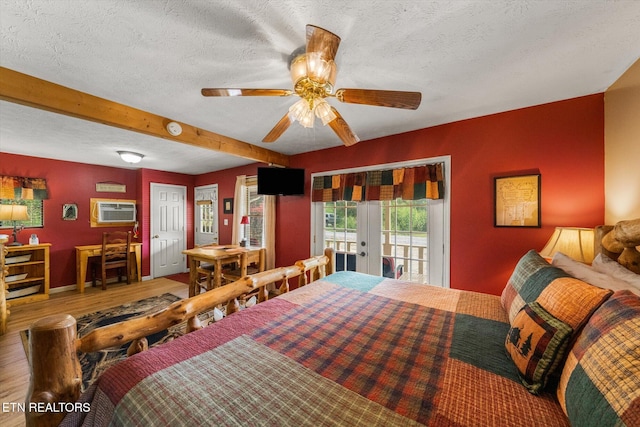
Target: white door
168,230
205,212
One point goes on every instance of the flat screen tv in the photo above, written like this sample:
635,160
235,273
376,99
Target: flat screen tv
281,181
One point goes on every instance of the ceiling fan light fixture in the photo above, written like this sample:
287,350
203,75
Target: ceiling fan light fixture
130,156
298,69
302,112
318,69
323,111
299,109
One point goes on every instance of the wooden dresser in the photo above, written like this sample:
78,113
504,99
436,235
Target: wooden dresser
25,276
28,273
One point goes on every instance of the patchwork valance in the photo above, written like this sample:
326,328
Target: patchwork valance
412,183
23,188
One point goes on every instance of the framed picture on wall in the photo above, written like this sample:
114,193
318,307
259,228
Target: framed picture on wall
227,206
69,212
517,201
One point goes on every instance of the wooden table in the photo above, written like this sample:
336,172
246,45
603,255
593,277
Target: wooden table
216,255
83,253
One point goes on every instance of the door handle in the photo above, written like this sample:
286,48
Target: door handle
363,253
156,237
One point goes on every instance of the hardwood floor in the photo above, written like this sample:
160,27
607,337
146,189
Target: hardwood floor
14,367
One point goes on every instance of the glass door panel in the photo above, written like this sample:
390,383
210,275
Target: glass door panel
340,233
404,240
206,215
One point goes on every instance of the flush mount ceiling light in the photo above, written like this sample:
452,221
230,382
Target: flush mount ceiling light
130,156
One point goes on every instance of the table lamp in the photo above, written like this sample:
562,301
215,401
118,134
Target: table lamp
576,243
14,213
244,221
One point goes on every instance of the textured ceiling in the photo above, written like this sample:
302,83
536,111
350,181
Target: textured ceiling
468,58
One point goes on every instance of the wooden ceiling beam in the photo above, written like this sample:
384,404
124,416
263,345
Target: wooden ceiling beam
37,93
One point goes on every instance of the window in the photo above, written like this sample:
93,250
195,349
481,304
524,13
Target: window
253,206
35,210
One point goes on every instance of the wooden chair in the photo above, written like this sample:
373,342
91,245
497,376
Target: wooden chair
115,255
207,270
252,262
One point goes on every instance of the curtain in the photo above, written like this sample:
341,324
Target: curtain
18,187
326,188
412,183
270,230
238,208
354,188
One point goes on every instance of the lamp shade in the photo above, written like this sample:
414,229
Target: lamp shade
244,220
14,213
576,243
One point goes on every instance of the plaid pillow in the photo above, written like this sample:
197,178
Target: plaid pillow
530,277
600,382
537,343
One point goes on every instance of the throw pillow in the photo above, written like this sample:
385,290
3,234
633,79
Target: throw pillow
604,264
537,342
530,277
601,378
591,275
572,300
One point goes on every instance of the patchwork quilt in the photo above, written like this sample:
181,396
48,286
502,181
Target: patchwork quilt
348,350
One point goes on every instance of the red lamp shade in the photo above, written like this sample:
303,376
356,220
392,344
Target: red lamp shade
244,220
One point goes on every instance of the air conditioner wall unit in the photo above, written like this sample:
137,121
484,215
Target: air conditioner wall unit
114,212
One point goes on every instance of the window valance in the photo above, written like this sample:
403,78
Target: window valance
411,183
23,188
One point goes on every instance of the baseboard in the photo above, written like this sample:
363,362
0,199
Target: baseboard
63,288
88,284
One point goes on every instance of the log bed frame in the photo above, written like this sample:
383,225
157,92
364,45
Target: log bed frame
56,376
55,370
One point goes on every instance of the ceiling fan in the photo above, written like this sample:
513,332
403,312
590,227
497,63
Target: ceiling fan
313,73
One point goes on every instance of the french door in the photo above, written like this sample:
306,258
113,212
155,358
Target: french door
397,238
404,239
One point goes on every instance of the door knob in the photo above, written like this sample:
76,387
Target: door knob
363,253
156,237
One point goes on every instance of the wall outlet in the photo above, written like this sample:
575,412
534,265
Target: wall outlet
226,221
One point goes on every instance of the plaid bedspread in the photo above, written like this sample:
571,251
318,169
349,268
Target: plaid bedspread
350,350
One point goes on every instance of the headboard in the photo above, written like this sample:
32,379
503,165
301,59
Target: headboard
620,242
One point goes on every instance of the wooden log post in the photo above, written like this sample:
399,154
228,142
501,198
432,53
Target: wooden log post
138,346
630,259
56,376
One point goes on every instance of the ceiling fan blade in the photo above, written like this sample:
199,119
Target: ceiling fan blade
278,129
382,98
342,129
245,92
322,41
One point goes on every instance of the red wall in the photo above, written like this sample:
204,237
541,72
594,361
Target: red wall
563,141
68,182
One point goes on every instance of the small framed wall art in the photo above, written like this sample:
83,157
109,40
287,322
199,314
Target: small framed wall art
517,201
69,211
227,206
